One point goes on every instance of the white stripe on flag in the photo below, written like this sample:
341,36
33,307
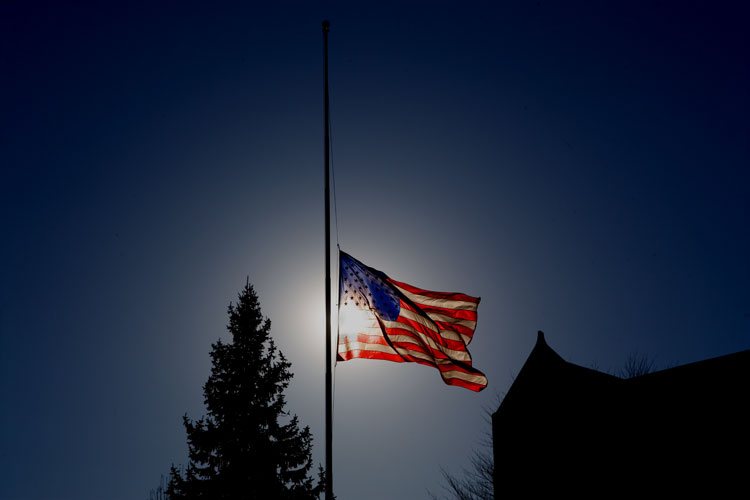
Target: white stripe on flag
469,377
451,353
418,318
434,302
454,321
364,346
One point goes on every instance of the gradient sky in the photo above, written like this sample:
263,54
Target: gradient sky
583,168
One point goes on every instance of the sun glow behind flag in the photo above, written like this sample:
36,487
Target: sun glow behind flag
380,318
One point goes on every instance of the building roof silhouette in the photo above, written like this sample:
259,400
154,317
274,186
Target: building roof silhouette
564,427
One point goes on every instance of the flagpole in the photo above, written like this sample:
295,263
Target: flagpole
329,384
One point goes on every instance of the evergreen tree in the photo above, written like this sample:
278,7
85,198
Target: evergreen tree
246,446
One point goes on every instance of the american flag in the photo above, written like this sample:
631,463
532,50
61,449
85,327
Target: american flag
381,318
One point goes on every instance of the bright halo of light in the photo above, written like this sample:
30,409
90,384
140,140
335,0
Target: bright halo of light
354,319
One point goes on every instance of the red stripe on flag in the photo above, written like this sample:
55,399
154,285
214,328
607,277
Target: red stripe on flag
465,330
436,295
452,313
366,354
455,345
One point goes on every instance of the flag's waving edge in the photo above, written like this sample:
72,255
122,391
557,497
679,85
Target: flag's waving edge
380,318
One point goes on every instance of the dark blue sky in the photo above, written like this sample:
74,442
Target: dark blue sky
583,168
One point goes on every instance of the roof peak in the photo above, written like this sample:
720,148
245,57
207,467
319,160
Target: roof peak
541,348
540,338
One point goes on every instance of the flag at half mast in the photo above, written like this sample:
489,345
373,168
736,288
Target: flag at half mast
381,318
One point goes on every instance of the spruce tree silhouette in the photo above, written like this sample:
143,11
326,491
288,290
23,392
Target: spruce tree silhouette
246,446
